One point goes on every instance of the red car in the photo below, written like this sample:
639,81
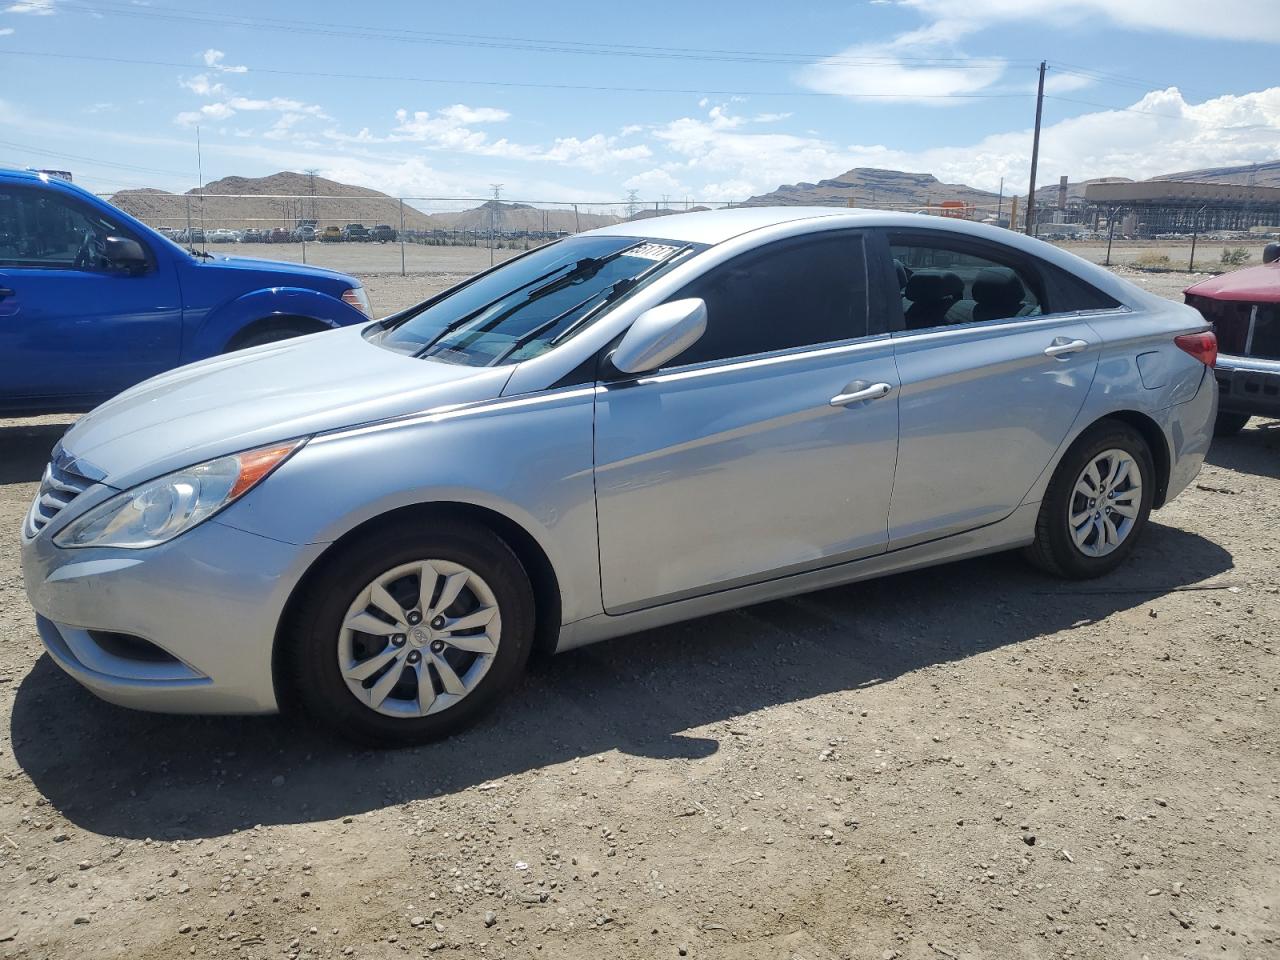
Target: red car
1244,308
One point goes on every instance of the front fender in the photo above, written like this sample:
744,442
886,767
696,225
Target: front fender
528,459
221,324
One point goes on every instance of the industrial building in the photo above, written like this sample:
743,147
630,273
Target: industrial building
1151,207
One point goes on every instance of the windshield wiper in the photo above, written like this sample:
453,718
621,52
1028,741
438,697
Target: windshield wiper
580,269
611,294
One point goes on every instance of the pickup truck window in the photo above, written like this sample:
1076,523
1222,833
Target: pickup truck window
43,229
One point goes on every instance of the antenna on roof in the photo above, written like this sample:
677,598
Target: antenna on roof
204,242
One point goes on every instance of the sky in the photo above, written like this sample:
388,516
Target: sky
570,101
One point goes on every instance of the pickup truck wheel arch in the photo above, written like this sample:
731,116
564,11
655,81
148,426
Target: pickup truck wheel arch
271,329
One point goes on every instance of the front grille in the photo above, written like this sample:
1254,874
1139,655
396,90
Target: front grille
58,487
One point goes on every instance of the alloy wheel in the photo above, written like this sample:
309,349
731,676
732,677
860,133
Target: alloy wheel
1105,503
419,638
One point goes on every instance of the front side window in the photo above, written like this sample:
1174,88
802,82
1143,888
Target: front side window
534,303
39,228
801,292
942,285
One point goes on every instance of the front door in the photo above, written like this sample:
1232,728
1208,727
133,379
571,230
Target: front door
72,332
767,449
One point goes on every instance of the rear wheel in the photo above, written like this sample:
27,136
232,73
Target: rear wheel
1096,504
1229,424
411,635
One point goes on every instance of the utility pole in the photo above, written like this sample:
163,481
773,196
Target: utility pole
633,203
493,217
1035,156
1000,202
311,175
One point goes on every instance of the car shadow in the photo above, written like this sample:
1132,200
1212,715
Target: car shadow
25,449
126,774
1256,449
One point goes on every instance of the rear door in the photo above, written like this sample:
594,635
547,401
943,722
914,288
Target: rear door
734,465
992,380
72,330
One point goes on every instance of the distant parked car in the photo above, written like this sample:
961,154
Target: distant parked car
92,301
305,233
355,232
222,236
280,235
383,233
331,235
1244,308
641,424
251,236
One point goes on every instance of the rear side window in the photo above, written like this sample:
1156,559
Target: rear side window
942,284
39,228
794,293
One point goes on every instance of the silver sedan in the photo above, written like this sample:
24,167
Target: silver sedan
629,427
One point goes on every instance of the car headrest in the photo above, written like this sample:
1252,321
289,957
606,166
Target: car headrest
997,286
901,269
929,287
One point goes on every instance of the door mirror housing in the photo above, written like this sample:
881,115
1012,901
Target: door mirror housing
660,334
124,253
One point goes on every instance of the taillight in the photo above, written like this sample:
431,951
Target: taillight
1202,346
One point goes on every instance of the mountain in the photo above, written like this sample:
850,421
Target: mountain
326,200
280,200
1258,174
518,217
870,186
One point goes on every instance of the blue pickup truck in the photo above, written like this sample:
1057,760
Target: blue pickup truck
93,301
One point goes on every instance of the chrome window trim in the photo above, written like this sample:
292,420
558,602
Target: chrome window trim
1006,325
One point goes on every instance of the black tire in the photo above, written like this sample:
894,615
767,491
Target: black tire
310,647
274,334
1229,424
1054,551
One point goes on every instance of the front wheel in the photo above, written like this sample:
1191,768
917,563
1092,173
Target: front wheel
412,634
1096,504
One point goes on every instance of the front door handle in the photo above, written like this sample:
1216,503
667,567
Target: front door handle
873,392
5,292
1062,347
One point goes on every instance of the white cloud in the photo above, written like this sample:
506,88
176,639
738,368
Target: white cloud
1160,133
462,114
447,130
6,31
596,153
1228,19
202,86
225,109
213,59
35,8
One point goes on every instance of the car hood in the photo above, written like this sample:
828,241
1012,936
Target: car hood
1252,284
274,267
279,391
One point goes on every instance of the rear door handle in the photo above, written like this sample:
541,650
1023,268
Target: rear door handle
873,392
1062,347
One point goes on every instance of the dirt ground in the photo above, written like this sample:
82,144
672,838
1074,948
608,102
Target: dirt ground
972,761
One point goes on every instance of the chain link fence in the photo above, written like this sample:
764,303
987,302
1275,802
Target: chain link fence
380,234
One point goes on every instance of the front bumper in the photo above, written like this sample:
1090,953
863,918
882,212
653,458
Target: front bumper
203,608
1248,385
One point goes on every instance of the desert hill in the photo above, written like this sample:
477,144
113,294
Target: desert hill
871,186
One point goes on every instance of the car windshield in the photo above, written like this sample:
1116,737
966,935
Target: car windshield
533,303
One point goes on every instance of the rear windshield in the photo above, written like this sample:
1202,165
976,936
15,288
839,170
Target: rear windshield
533,303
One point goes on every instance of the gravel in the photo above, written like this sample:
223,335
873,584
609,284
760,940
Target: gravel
859,772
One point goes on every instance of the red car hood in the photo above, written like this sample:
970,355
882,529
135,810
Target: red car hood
1252,284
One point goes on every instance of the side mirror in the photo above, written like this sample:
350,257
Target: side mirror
1271,253
660,334
124,253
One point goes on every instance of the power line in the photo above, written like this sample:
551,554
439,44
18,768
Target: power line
696,91
348,31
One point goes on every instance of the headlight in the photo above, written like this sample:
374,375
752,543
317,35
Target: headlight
158,510
358,297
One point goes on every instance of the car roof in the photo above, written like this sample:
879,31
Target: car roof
718,226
